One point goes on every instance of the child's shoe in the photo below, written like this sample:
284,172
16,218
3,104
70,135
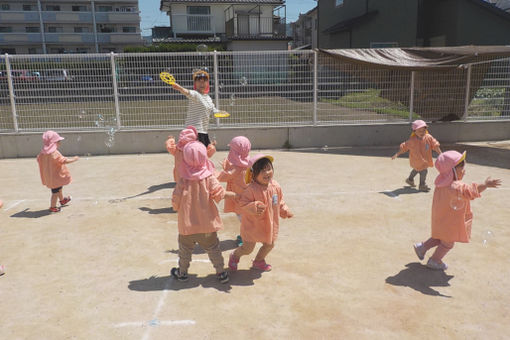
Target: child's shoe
54,209
261,265
2,269
176,273
410,182
424,187
418,249
65,200
436,266
223,277
239,240
232,262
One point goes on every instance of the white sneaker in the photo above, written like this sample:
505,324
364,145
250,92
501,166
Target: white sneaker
418,249
436,266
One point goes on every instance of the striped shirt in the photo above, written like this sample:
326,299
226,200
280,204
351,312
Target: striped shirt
200,109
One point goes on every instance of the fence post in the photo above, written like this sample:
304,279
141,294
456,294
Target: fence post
466,99
411,98
315,87
115,88
216,85
11,92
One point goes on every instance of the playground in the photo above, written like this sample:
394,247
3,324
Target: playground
343,266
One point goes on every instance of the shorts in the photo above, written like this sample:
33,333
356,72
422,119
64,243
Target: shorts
56,190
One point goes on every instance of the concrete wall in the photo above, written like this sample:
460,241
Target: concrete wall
152,141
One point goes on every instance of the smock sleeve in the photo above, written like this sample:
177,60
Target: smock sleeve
176,195
468,191
216,191
404,147
248,203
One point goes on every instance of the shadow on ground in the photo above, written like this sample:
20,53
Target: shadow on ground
224,246
401,191
151,211
477,154
154,283
150,190
27,213
421,279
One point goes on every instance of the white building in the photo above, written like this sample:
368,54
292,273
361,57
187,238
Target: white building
68,26
241,24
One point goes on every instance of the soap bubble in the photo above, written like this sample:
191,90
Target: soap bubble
487,236
202,48
78,139
154,323
457,203
243,81
100,120
232,99
325,148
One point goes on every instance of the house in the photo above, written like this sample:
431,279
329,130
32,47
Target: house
304,30
408,23
68,26
242,25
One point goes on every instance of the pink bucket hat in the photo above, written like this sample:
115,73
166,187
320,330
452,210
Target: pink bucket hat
240,147
249,177
195,165
50,139
189,134
445,162
417,124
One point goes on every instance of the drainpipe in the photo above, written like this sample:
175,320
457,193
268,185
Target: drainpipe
92,4
41,27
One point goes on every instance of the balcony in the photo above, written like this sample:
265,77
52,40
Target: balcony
245,26
192,24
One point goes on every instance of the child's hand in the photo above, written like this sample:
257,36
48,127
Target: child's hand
289,214
260,207
492,183
394,156
75,158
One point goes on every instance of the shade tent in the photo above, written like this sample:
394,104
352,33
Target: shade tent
440,74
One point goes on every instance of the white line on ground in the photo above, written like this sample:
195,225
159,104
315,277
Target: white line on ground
14,204
177,260
160,322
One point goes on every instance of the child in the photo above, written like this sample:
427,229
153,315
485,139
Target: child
451,211
200,106
261,205
234,173
420,145
198,219
187,135
53,170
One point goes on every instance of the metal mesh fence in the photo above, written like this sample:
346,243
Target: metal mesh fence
270,88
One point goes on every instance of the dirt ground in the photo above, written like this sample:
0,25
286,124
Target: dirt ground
343,267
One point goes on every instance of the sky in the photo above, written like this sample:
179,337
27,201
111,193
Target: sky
151,16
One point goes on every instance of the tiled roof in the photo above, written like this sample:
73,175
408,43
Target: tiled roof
278,2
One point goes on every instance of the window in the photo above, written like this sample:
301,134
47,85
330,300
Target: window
82,50
383,44
5,7
57,50
32,50
129,29
27,7
81,30
79,8
5,29
55,29
198,10
106,29
32,29
7,50
339,2
53,8
104,8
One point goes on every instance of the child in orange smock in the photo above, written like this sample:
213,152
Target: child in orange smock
261,206
187,135
420,145
234,173
198,218
53,170
451,210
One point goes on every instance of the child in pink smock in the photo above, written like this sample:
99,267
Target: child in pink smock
420,145
261,206
451,209
194,199
187,135
53,170
234,173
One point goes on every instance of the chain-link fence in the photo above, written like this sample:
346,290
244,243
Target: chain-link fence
271,88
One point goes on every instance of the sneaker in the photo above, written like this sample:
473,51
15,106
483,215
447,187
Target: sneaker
418,249
176,273
239,240
223,277
436,266
424,187
54,209
410,182
65,200
2,269
261,265
232,262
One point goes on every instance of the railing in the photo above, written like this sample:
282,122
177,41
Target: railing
192,23
272,88
242,26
